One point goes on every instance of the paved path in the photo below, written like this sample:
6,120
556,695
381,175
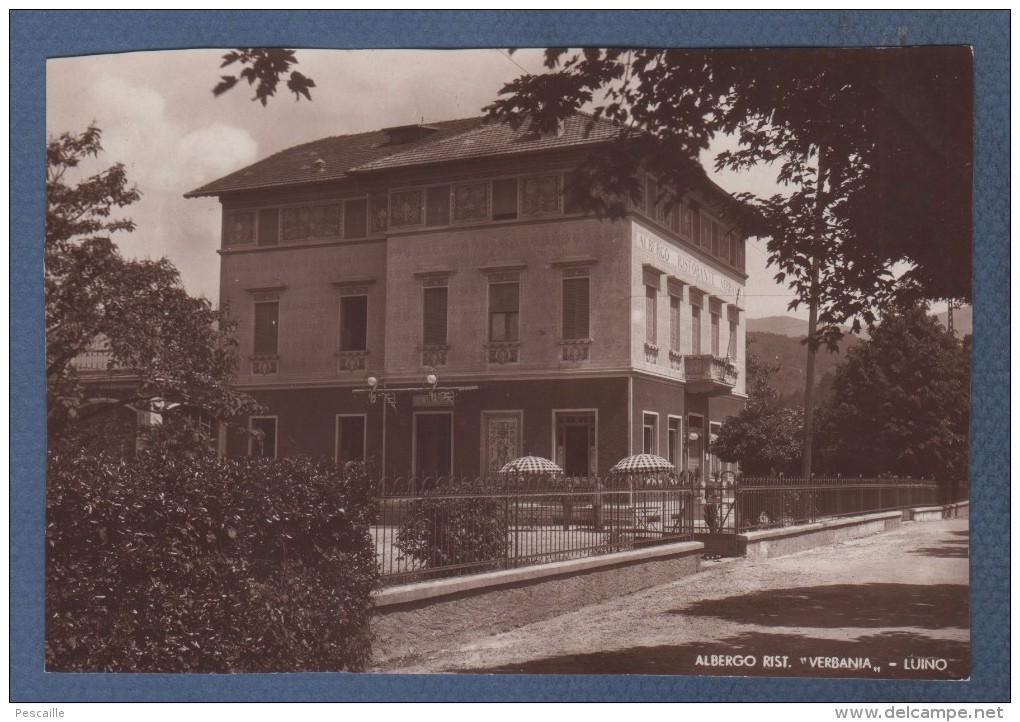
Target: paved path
872,607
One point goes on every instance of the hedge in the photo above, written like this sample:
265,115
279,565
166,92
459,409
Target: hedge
170,564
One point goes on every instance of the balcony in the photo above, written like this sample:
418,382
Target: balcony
710,375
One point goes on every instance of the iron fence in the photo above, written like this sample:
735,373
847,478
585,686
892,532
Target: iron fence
764,503
435,527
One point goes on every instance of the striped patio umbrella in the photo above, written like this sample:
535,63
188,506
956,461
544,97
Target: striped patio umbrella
528,465
642,464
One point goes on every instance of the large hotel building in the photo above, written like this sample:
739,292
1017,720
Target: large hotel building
443,268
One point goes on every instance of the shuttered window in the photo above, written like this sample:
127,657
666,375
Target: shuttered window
354,323
715,334
434,315
695,330
674,323
267,317
269,227
576,308
651,314
504,311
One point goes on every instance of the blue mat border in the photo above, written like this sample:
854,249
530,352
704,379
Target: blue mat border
38,35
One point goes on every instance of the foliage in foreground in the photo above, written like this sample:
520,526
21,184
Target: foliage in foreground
164,564
446,528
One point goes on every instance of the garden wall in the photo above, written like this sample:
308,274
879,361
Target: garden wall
776,542
411,620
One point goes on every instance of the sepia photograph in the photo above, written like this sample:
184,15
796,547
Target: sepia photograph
509,361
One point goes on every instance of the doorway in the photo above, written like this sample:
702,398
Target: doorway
433,442
576,444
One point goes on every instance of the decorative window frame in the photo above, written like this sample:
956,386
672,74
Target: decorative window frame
502,353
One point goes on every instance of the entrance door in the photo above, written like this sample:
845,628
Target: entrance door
433,438
575,443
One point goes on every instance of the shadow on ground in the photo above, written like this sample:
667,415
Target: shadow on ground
950,550
929,606
882,651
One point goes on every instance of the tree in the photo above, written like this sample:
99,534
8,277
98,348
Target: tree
872,180
900,402
264,68
173,348
763,438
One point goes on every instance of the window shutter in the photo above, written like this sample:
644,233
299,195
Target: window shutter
651,311
575,308
435,316
674,323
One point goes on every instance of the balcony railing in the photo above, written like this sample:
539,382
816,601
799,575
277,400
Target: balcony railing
708,373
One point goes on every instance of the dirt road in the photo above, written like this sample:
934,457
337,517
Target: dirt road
893,605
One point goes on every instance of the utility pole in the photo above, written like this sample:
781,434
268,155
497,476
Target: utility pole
812,346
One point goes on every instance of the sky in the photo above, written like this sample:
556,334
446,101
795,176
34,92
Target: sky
160,119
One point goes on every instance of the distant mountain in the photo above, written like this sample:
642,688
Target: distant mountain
782,325
790,355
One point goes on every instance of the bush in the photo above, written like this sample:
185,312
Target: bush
454,525
171,564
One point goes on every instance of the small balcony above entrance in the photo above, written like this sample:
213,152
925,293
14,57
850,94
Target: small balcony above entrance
710,374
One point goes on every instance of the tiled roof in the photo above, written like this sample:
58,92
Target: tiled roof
337,157
496,139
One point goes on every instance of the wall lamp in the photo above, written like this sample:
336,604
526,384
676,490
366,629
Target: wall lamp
693,436
435,393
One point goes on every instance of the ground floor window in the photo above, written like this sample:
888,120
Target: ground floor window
576,442
350,438
675,441
650,435
433,443
263,437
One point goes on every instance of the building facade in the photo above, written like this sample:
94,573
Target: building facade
429,299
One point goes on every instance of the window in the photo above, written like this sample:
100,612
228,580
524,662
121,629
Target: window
695,329
504,199
695,225
354,323
269,227
434,316
238,228
705,240
356,218
575,308
715,311
675,436
504,311
686,221
651,433
262,443
303,223
716,239
734,319
731,243
267,331
437,206
651,197
350,438
651,313
674,323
